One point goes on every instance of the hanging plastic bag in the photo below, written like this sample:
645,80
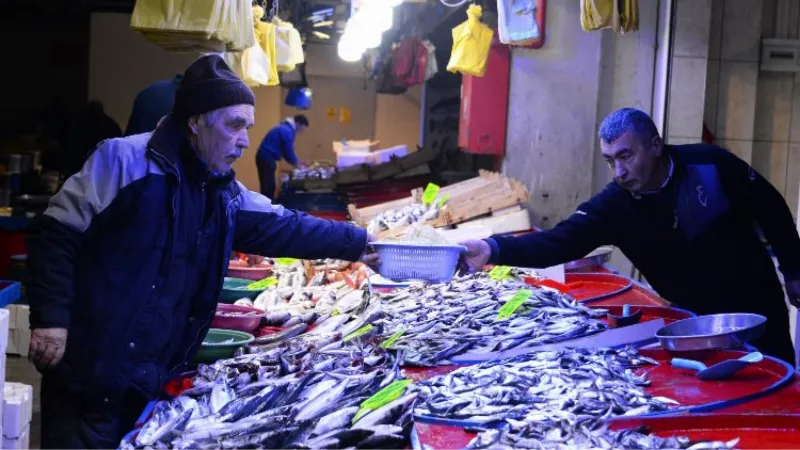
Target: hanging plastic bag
471,43
288,46
431,65
408,62
194,25
516,22
622,16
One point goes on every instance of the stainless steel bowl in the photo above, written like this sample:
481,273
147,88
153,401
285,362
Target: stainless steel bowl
714,331
598,257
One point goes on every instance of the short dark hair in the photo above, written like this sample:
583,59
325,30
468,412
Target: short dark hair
301,120
624,120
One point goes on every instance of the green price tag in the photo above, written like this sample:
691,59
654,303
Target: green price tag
388,394
266,283
431,191
513,304
335,312
499,273
363,330
443,199
392,339
286,261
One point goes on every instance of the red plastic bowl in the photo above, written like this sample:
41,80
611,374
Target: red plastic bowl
240,269
247,324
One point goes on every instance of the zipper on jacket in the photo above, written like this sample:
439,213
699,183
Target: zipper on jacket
202,211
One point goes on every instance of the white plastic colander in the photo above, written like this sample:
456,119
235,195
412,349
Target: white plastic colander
432,263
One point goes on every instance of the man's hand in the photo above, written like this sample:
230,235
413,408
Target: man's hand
476,256
47,347
793,292
370,258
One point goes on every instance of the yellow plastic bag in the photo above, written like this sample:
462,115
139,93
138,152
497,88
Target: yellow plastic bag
194,25
265,36
471,43
621,17
288,46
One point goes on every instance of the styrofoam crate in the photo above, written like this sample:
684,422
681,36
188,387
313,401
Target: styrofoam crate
22,441
4,327
17,409
18,342
22,318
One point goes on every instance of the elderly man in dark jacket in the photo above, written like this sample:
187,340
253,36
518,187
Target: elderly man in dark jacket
686,216
126,265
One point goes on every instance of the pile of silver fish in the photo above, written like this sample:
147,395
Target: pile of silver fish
582,383
301,393
578,433
442,320
413,213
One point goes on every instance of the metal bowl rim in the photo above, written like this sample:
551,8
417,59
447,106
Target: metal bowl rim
693,336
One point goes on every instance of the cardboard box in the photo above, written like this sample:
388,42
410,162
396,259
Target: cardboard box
23,441
17,409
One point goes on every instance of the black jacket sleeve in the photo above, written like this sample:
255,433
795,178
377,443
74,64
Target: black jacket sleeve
588,228
755,194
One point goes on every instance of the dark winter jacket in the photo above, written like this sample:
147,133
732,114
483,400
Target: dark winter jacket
131,253
695,240
279,143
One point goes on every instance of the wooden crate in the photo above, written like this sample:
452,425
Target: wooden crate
469,199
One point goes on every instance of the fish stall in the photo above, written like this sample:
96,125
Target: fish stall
333,363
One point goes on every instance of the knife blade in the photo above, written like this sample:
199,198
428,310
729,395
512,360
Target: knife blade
614,337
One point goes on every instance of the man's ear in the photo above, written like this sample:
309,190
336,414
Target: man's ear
658,145
194,124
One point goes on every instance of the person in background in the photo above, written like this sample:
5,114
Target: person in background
278,144
686,216
151,104
88,130
126,265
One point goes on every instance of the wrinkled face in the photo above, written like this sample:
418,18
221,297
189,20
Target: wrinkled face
634,163
220,136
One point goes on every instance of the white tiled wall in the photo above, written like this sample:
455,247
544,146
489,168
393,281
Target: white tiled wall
688,78
754,114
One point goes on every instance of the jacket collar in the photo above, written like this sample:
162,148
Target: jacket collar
169,143
290,121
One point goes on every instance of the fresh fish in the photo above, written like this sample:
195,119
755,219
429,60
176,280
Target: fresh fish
335,421
387,413
443,320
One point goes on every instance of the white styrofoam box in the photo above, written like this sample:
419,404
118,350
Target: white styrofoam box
18,342
22,318
507,223
457,235
17,409
19,317
22,441
504,211
4,327
385,155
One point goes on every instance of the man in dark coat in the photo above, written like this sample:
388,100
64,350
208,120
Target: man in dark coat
278,144
92,127
126,265
687,217
151,104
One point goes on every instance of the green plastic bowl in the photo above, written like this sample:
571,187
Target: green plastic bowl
230,293
215,347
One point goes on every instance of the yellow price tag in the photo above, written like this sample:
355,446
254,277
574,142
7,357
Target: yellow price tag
388,394
266,283
431,191
513,304
286,261
500,273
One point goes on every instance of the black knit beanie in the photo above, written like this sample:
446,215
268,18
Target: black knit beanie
209,84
